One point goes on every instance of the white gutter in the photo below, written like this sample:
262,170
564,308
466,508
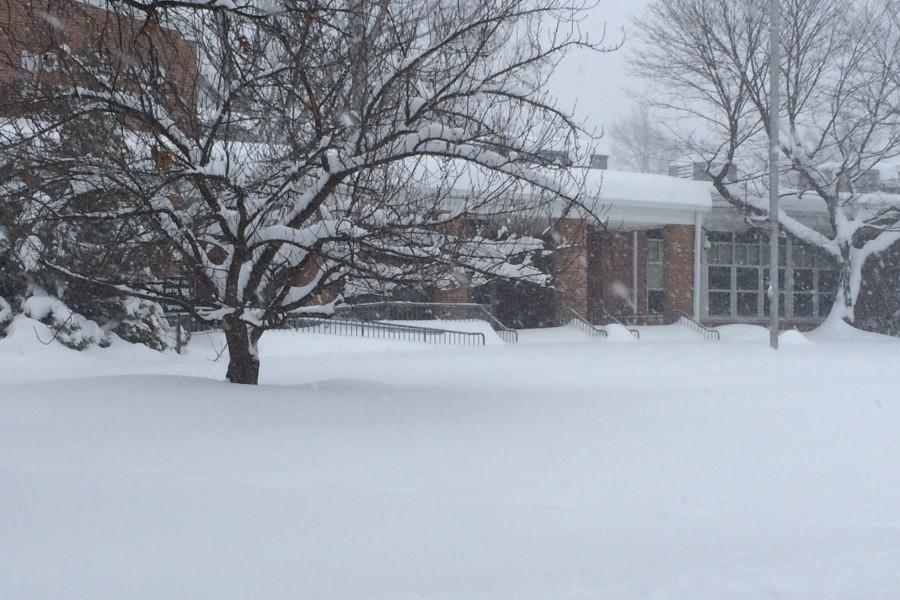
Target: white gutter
698,267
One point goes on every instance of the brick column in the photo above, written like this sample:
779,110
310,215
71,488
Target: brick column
678,267
570,265
460,293
305,276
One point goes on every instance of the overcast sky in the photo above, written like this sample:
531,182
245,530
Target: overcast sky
594,83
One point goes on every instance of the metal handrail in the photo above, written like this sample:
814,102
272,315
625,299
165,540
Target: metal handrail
605,315
571,317
670,317
685,319
378,330
633,319
338,326
424,311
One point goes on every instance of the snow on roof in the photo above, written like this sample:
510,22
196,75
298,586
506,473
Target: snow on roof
622,188
600,188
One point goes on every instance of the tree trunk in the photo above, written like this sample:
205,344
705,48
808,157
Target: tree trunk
845,302
243,358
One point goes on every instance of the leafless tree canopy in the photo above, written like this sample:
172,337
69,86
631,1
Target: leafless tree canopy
278,149
708,63
641,143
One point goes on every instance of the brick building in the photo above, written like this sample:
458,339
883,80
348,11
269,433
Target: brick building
50,43
643,259
670,244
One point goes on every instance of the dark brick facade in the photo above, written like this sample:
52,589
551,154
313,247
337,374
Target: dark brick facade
571,265
32,32
596,272
678,267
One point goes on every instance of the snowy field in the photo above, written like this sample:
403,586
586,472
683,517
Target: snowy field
563,467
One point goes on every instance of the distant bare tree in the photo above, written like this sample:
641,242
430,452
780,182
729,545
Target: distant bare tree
641,143
707,61
320,144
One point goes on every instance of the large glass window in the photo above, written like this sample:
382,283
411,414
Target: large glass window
737,277
655,273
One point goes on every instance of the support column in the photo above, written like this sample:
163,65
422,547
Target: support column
455,295
460,292
698,266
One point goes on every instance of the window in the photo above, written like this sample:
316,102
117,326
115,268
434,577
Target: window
747,279
38,62
719,278
655,273
720,304
737,277
747,304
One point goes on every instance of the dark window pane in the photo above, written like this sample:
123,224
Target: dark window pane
746,254
753,255
747,304
655,301
827,281
824,260
825,302
747,279
721,254
803,256
803,305
720,278
803,280
655,234
720,304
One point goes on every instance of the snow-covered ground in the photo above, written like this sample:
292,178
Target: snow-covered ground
564,467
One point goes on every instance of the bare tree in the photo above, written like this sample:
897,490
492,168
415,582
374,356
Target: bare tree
312,145
707,61
641,143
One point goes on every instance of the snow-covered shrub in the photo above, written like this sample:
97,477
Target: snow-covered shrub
69,328
143,323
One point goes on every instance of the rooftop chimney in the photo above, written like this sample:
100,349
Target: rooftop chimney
600,161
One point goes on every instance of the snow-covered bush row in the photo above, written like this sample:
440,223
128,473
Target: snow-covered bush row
69,328
135,321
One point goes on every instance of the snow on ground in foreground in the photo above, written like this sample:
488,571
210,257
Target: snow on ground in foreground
564,468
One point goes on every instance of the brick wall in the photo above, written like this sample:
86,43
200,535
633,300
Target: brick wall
614,268
678,269
37,29
458,294
570,265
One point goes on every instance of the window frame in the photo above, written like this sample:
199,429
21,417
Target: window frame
732,251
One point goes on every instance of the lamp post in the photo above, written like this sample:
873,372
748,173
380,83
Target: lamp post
774,77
